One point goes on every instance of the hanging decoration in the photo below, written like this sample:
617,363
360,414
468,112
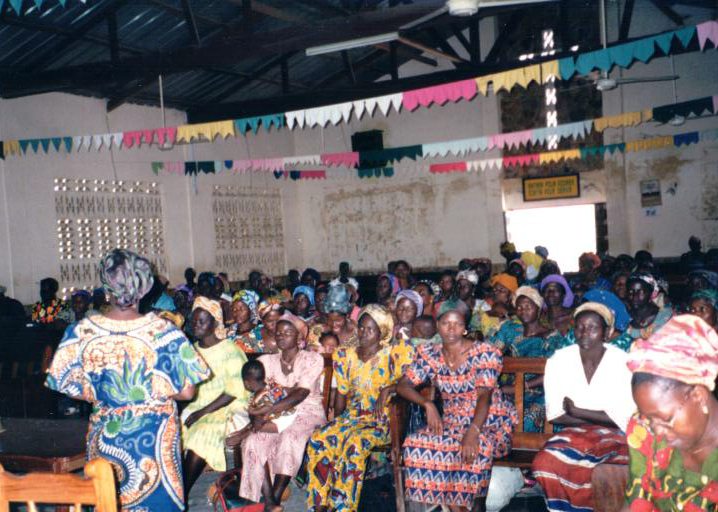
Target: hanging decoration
621,55
532,159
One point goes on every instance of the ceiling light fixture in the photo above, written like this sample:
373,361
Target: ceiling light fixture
353,43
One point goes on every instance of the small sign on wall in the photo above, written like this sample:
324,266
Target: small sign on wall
650,193
551,187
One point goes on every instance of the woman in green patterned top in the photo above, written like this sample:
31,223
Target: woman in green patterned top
673,441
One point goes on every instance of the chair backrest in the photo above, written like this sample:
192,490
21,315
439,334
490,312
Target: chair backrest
519,367
96,488
327,385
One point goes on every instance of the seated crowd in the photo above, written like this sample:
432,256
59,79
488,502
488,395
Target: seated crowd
629,379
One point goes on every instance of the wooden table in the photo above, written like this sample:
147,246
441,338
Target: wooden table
29,444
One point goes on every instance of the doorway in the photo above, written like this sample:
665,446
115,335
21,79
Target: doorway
566,231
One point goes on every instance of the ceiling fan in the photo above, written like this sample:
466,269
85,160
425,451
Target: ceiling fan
605,83
467,8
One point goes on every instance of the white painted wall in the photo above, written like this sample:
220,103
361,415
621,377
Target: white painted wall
688,171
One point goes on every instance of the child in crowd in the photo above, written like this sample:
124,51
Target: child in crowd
264,393
423,330
328,343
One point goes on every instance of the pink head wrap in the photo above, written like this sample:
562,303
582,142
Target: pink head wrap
684,349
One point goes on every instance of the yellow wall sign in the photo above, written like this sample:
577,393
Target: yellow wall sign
552,187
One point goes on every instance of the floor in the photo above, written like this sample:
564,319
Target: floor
378,494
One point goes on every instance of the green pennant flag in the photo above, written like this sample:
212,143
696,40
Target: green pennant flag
17,5
67,140
56,141
45,144
156,166
35,144
23,145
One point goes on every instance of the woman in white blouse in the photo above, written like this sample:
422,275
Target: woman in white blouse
588,394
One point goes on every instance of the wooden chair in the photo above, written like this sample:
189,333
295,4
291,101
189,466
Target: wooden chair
524,445
96,488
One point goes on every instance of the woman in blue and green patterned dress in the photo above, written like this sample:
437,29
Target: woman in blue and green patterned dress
132,368
525,336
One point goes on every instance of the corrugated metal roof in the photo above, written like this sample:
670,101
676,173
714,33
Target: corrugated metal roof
57,38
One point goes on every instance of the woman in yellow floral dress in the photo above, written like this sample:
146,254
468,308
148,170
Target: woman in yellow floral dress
204,419
365,375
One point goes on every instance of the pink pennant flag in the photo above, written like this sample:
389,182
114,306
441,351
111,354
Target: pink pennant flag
707,30
174,167
510,161
147,136
349,159
439,94
168,134
241,165
449,167
129,139
514,139
314,175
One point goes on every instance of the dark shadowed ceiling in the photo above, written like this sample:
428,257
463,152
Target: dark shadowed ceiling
229,58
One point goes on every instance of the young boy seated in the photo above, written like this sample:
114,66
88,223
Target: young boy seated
264,392
423,330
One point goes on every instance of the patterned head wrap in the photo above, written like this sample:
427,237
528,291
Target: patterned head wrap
468,275
270,304
507,281
434,288
413,297
251,299
383,319
710,277
592,257
558,278
455,305
521,263
530,292
601,310
393,282
337,300
126,276
684,349
306,290
707,295
214,308
299,324
649,280
621,318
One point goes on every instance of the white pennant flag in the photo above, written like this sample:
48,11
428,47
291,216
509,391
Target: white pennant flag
117,139
358,109
384,103
97,141
107,139
87,142
77,142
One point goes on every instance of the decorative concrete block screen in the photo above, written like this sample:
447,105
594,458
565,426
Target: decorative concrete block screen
248,231
95,216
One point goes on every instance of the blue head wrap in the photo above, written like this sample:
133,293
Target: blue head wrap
306,290
620,314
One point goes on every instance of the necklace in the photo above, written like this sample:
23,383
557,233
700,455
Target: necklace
289,365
